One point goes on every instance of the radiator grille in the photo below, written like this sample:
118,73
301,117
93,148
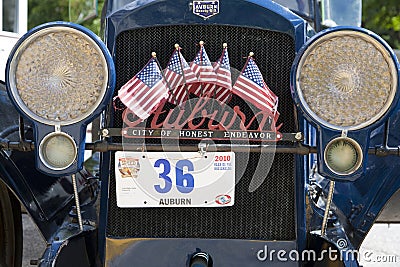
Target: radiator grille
266,214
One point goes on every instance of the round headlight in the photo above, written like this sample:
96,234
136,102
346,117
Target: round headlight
343,156
58,75
58,151
346,79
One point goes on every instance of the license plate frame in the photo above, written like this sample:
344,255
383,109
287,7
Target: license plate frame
174,179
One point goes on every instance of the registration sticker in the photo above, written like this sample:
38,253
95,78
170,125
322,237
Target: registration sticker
174,179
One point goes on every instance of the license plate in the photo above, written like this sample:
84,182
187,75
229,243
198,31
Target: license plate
174,179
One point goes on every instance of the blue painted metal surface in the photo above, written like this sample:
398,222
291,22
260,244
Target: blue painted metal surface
325,134
47,199
76,130
362,200
358,199
146,13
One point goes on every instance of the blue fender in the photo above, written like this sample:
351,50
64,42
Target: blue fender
47,199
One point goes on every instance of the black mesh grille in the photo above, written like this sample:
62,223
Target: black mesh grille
266,214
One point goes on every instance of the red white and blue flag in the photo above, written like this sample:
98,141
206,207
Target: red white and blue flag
204,71
251,87
224,81
179,75
145,91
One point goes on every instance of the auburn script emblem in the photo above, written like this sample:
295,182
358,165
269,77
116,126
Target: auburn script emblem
203,118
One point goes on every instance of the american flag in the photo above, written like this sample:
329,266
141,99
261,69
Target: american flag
204,71
145,91
178,75
224,81
251,87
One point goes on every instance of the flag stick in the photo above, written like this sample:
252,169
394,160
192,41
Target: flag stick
201,43
225,46
183,73
154,55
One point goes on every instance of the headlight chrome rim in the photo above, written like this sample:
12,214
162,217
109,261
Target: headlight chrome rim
44,30
368,37
43,154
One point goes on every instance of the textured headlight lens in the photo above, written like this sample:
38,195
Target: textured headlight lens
58,151
58,75
346,80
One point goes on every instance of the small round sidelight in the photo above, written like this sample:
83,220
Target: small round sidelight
343,156
58,151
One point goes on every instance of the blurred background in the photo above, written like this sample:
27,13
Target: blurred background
380,16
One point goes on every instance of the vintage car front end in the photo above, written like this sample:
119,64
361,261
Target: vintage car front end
282,154
264,208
